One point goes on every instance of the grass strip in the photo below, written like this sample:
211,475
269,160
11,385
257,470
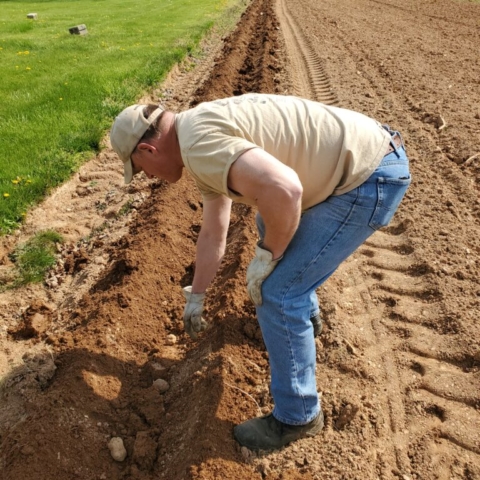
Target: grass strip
60,92
35,258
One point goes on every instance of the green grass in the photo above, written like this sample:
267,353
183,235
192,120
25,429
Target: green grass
60,92
35,257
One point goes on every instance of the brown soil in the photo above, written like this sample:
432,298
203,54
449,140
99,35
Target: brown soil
398,362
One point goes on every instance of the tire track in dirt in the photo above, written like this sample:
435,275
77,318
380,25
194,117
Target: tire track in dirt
414,292
372,342
392,434
427,15
403,284
309,79
426,374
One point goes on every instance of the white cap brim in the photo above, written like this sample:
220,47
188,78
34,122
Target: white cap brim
128,171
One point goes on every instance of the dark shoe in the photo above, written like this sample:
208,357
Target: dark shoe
317,323
268,433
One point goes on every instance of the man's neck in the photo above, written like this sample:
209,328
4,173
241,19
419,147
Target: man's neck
169,132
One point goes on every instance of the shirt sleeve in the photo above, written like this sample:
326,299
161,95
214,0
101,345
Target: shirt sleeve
209,161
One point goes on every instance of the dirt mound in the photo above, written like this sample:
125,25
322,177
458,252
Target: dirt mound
398,362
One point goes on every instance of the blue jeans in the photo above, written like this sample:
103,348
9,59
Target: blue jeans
327,234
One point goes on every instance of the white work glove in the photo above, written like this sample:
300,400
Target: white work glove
259,269
192,315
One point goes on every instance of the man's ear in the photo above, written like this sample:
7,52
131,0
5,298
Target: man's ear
146,147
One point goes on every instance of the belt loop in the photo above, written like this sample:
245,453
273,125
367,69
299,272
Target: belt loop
392,134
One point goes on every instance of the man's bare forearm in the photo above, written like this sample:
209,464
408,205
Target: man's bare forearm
209,257
211,242
281,215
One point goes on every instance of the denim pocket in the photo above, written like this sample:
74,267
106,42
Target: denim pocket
390,192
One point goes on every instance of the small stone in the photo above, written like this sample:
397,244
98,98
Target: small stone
245,453
52,282
157,370
161,385
460,275
171,339
99,260
117,449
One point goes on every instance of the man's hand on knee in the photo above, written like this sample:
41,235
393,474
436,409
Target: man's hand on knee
259,269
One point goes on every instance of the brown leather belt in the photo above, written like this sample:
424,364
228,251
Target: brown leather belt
397,141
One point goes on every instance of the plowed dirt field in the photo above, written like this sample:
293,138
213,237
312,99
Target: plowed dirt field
399,359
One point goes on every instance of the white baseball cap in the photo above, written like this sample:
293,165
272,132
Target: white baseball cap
127,130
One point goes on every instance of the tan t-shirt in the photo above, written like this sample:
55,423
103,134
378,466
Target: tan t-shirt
332,150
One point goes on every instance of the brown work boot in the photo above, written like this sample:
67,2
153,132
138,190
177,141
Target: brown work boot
268,433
